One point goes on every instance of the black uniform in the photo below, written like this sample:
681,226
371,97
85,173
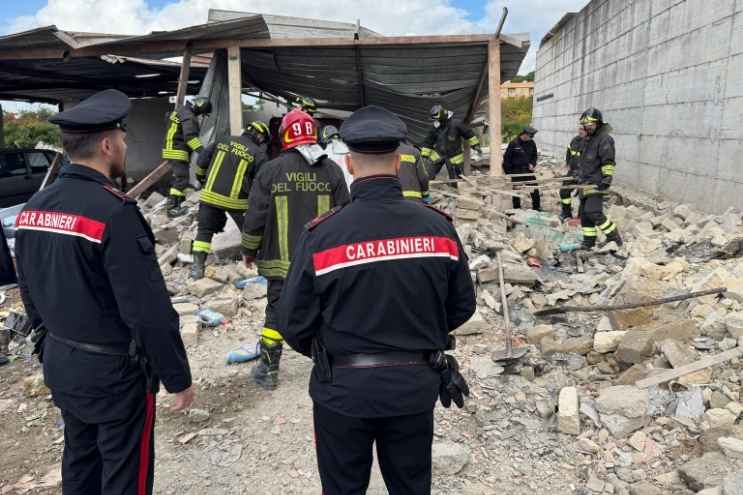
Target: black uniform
444,145
596,168
229,166
181,139
374,287
413,174
516,160
88,274
572,159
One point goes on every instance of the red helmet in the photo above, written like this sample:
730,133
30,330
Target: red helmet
297,127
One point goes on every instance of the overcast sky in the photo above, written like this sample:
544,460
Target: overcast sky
390,17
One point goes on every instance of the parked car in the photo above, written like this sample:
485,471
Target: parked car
21,173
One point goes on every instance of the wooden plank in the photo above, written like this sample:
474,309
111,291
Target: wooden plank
703,363
494,110
180,96
150,180
234,70
52,171
467,159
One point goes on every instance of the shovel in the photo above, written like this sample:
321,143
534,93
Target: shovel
509,355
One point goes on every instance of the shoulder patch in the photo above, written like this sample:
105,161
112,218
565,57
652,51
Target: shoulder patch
318,220
123,197
438,211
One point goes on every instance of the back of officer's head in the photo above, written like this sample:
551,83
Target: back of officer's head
373,135
93,131
104,148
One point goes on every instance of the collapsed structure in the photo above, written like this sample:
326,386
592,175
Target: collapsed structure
667,76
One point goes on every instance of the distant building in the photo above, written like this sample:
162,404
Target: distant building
517,89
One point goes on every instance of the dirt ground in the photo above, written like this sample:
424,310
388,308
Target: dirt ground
261,442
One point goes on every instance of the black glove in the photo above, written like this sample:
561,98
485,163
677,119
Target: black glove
453,386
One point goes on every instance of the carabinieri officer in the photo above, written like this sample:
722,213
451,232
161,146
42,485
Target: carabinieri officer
373,292
92,287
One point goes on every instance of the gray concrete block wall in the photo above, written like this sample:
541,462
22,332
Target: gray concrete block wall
668,75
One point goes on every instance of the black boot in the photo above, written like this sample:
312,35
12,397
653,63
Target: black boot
175,206
197,269
266,372
566,213
615,237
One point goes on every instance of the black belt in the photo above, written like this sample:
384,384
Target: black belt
381,360
96,348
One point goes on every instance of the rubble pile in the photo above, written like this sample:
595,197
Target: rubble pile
640,401
602,385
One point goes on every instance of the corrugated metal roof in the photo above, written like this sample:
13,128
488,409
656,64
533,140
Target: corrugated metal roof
75,78
552,32
407,76
281,26
408,80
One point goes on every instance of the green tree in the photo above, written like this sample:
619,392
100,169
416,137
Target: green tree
527,78
515,114
29,127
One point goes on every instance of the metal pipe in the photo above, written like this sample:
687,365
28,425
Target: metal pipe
502,21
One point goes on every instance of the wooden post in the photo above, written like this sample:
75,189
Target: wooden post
467,159
234,70
496,158
180,96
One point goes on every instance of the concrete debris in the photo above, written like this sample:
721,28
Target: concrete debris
707,471
569,411
732,447
34,386
605,342
204,287
733,484
449,458
719,418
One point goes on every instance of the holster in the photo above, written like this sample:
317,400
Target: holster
321,359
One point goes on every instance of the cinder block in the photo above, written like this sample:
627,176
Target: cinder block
734,84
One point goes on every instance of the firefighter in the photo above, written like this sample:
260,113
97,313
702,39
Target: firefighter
306,104
572,160
520,158
413,173
288,191
182,139
330,140
443,145
372,295
226,170
105,329
596,170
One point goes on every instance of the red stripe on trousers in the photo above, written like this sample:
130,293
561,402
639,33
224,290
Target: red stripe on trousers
144,445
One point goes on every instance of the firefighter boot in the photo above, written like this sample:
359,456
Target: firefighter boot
615,237
566,213
266,372
175,206
197,269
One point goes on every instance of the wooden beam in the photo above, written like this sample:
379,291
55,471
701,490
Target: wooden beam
464,39
707,362
175,47
180,95
234,71
494,110
150,180
467,158
52,171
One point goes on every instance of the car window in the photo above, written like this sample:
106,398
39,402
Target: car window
12,164
38,161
